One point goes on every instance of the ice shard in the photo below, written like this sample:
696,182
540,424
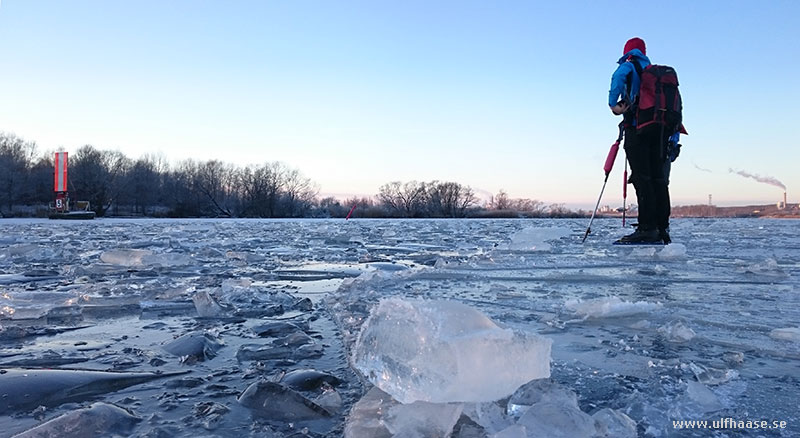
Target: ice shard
445,351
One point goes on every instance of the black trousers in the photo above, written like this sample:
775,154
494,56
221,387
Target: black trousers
649,174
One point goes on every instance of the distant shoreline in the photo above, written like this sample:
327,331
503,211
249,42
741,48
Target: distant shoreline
681,211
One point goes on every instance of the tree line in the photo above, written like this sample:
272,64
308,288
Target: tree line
148,186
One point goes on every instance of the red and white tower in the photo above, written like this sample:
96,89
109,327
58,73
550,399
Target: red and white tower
60,182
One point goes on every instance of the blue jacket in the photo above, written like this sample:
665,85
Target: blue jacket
619,78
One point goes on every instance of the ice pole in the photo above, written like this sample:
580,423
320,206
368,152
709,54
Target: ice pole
610,158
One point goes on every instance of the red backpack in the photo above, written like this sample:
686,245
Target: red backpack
659,99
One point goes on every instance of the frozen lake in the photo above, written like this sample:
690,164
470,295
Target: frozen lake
703,329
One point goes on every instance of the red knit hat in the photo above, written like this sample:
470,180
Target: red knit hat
634,43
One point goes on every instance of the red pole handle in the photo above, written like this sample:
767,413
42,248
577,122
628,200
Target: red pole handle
612,156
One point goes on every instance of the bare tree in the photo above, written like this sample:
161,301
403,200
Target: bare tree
531,207
144,185
450,199
273,175
215,180
275,190
365,207
16,156
407,199
331,207
41,181
96,176
558,210
501,201
299,193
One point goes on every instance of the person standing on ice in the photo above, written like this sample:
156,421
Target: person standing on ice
643,147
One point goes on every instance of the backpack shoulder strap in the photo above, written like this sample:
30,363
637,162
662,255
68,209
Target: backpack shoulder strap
637,66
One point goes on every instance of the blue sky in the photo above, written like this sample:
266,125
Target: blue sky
495,95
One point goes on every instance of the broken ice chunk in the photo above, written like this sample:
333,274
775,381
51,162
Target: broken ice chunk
712,376
768,267
330,400
612,423
277,402
672,251
676,332
488,415
206,306
539,390
557,420
365,419
703,397
513,431
99,419
445,351
534,239
733,358
786,334
126,257
422,419
609,307
194,346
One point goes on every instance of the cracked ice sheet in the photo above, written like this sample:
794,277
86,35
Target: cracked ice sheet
734,286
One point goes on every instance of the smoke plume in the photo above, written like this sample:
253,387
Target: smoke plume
762,179
701,168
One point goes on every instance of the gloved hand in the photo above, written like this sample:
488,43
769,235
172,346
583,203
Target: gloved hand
619,108
673,150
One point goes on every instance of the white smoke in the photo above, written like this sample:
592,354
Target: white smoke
701,168
762,179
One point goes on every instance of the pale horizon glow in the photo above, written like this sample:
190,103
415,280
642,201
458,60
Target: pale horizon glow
356,94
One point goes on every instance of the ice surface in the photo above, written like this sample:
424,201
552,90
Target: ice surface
791,334
557,420
643,252
611,423
245,256
609,307
445,351
168,259
735,286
